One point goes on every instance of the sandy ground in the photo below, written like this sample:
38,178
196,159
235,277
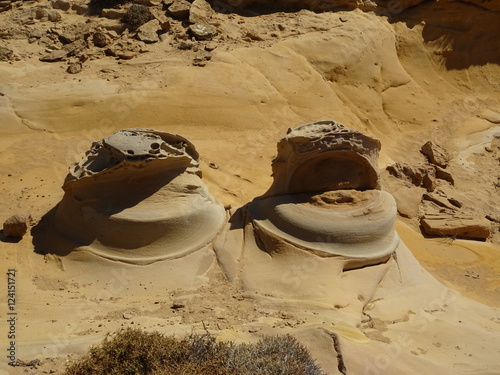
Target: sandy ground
390,80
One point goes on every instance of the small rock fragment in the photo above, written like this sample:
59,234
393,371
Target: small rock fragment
55,16
113,14
6,54
17,225
177,305
461,226
203,31
436,154
54,56
61,4
161,17
74,68
148,33
200,12
179,9
101,39
127,316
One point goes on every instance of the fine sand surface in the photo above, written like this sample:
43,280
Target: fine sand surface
399,82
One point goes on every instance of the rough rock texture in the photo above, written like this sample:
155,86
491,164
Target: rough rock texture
393,6
467,227
203,31
137,197
179,9
325,196
17,225
148,32
200,12
436,154
324,156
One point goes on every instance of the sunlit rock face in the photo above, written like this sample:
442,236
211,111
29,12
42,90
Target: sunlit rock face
323,234
137,197
326,197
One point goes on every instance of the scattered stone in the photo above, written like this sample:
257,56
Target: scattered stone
253,36
210,46
202,58
41,14
80,9
17,225
161,17
101,39
213,165
185,45
127,316
443,174
148,2
75,48
203,31
74,68
148,33
439,200
54,56
455,202
55,16
429,181
200,12
6,54
415,173
179,9
408,201
177,305
114,14
457,225
64,5
436,154
126,55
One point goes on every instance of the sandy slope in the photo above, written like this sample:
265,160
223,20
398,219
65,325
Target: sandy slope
390,80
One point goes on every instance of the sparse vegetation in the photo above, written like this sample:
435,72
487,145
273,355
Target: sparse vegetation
137,15
133,351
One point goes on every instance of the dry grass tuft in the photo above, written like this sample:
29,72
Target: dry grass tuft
135,352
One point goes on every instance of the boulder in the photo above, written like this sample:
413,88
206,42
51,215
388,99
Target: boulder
17,225
436,154
456,225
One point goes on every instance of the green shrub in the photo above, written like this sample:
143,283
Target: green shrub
134,352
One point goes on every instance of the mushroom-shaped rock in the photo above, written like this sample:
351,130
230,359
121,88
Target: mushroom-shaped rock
325,156
326,197
137,197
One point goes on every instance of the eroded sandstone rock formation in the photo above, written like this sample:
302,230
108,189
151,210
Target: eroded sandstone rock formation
326,196
323,216
137,197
